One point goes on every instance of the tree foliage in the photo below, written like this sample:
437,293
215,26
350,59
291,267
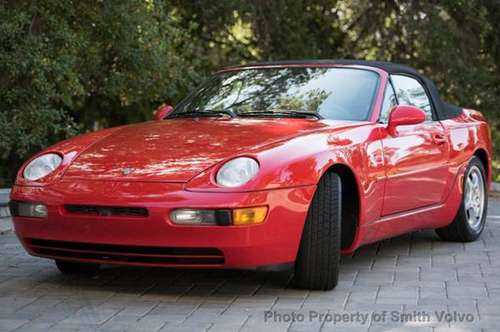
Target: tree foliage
72,66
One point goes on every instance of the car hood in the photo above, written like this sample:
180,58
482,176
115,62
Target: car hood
176,150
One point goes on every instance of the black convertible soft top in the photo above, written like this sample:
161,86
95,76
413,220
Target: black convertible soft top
442,109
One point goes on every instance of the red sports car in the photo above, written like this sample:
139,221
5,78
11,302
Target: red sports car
270,165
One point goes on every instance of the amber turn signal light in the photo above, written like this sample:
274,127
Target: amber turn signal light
249,216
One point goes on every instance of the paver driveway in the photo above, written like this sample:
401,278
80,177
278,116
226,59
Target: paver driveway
413,282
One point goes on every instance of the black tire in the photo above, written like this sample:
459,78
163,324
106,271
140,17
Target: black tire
318,259
460,230
67,267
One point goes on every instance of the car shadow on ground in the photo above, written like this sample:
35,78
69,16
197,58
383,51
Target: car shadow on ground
163,283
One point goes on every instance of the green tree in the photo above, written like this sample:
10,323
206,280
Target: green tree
68,67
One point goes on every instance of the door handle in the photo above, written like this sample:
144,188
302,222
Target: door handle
440,139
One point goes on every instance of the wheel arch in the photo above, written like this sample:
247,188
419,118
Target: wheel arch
483,156
351,203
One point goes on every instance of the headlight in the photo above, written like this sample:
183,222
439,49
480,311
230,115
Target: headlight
237,172
42,166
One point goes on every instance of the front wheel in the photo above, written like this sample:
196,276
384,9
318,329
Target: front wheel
318,260
471,217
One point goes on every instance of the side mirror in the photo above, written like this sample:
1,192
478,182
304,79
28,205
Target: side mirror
163,111
403,115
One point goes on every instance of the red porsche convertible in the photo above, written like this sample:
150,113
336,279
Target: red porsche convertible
270,165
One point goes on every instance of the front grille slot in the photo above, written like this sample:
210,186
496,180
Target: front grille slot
107,211
132,254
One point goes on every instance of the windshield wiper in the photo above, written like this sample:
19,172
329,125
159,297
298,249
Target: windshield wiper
281,114
204,113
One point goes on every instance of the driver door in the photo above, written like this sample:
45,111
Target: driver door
415,156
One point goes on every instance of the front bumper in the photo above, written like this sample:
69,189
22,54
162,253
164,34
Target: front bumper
153,240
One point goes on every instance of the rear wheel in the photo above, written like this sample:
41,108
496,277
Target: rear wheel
471,217
318,260
67,267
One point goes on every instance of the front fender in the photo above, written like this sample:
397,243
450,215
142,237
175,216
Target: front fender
301,161
69,150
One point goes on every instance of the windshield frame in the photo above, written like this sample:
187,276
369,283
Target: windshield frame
214,76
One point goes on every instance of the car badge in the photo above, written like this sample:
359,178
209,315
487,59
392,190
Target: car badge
127,170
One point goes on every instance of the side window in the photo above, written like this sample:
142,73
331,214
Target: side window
410,92
389,102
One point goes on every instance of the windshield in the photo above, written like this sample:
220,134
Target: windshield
331,93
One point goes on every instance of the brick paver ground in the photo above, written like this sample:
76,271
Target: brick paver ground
414,282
